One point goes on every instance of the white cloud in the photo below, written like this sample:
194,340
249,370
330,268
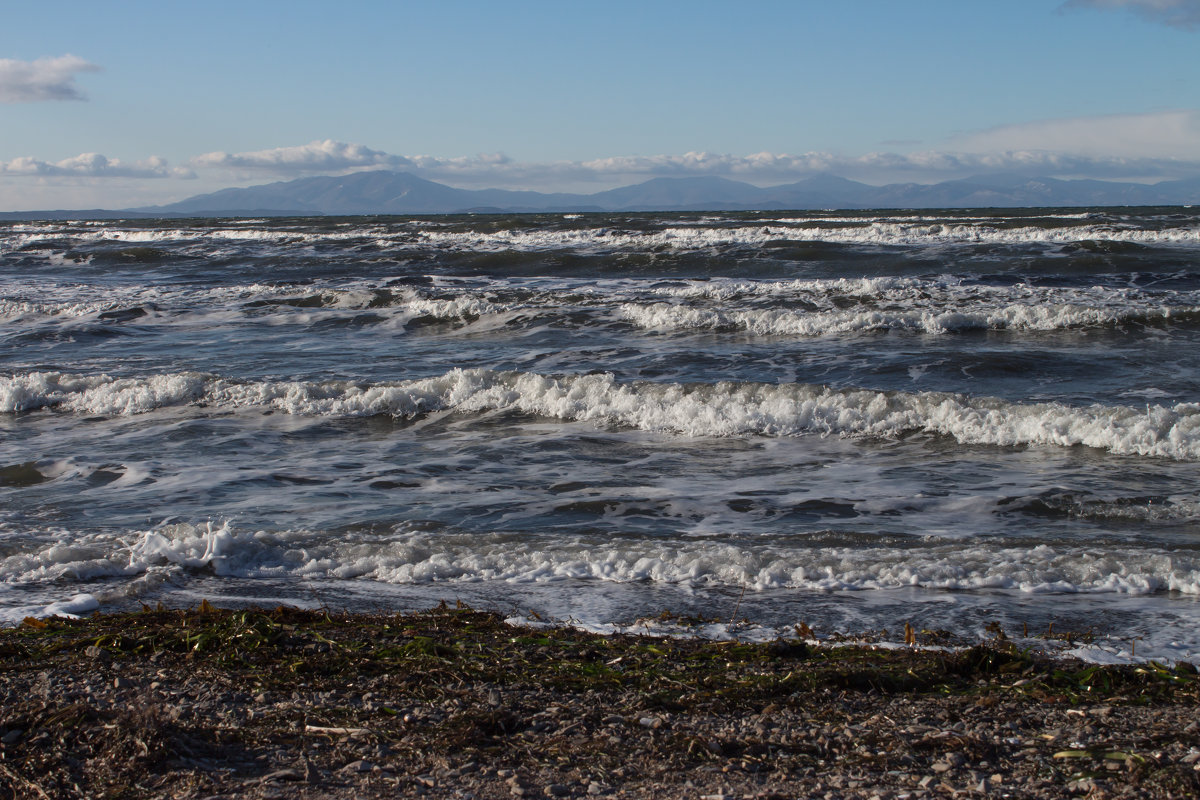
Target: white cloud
999,150
42,79
319,156
1129,146
775,168
1138,147
1157,135
93,165
1176,13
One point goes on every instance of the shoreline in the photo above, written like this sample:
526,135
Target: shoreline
452,702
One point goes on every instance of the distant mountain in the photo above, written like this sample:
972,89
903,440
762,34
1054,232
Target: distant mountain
691,194
384,192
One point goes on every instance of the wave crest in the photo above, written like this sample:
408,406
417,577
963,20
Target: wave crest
723,409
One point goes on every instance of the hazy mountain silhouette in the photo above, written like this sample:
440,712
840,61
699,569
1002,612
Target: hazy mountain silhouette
382,192
385,192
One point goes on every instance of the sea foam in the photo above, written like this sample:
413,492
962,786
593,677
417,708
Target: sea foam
783,322
722,409
417,558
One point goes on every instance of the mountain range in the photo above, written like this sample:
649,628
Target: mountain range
387,192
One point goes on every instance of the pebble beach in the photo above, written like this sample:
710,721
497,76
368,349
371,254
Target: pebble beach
457,703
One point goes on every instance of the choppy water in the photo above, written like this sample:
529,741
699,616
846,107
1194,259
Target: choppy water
858,420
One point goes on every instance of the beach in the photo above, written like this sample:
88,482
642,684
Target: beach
769,504
452,702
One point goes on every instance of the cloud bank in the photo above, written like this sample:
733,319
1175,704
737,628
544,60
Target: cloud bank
93,165
320,156
42,79
1157,135
1176,13
1133,147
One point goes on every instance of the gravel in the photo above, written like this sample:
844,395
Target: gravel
457,703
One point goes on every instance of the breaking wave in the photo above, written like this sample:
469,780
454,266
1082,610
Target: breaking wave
722,409
414,558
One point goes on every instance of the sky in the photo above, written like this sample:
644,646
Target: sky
129,104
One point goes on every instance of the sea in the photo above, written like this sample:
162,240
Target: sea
974,423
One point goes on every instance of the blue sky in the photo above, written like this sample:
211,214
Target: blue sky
133,103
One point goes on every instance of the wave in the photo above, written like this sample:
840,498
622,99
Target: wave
698,410
796,307
16,309
122,303
777,322
408,301
888,234
822,307
885,232
414,558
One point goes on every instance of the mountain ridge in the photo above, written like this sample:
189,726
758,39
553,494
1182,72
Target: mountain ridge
379,192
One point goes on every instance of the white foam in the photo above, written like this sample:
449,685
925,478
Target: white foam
74,607
98,394
1038,570
684,238
880,231
666,317
16,309
723,409
217,548
885,287
822,307
783,322
209,306
418,558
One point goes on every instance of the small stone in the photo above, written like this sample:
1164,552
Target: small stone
1081,786
282,775
557,790
942,766
12,736
362,765
651,722
594,788
121,683
96,652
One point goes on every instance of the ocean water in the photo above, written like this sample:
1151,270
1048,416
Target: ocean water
966,421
